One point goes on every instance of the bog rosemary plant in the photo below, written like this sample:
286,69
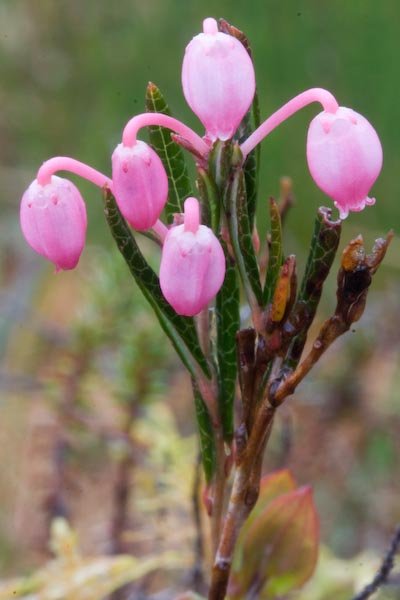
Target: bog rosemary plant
212,260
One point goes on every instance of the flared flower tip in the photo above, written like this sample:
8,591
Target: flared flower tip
53,221
218,80
192,266
140,184
344,157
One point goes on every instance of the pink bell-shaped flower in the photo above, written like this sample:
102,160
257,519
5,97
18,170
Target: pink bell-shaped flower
140,184
53,221
192,264
345,157
218,80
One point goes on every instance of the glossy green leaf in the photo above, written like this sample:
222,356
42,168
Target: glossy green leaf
241,235
228,323
275,253
278,552
206,433
324,245
180,330
170,153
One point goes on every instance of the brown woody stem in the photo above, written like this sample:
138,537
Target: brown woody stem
218,490
244,495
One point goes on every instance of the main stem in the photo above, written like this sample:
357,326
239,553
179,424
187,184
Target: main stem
244,495
218,491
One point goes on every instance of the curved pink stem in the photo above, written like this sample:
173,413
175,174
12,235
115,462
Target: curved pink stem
161,230
146,119
64,163
191,216
325,98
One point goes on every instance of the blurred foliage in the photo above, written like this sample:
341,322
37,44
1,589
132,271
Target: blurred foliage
70,576
114,316
340,579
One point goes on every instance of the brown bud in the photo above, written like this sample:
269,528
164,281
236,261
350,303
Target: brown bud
283,292
354,254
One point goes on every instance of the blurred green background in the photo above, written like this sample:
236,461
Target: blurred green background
72,73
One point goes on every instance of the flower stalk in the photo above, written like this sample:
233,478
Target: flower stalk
129,135
325,98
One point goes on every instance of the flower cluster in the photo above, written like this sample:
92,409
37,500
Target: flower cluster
343,152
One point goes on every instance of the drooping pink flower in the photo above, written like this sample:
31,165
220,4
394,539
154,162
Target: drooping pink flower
218,80
345,157
140,184
53,221
192,266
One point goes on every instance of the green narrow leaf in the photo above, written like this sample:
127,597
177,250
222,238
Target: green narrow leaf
255,109
252,164
275,253
250,168
250,122
241,235
220,163
206,433
324,245
170,153
251,181
323,249
228,323
209,199
180,330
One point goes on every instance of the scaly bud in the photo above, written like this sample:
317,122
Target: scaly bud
140,184
218,80
345,157
53,221
192,266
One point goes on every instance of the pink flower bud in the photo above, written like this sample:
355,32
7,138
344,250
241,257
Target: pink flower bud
345,157
218,80
192,264
140,184
53,221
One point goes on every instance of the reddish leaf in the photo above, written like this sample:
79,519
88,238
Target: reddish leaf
273,485
278,551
